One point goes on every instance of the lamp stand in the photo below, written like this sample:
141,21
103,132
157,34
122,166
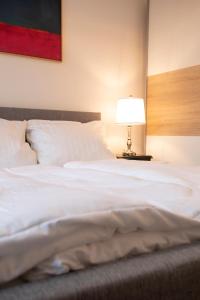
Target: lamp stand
129,151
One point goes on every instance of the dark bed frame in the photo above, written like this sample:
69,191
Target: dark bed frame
22,114
172,274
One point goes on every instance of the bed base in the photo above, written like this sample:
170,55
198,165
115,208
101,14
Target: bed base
172,274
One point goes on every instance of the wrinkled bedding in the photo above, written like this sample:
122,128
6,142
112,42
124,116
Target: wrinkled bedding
57,219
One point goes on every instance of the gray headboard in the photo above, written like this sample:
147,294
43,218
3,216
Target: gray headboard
21,114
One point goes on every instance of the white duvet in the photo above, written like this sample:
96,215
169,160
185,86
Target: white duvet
55,219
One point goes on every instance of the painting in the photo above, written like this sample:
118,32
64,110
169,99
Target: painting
31,27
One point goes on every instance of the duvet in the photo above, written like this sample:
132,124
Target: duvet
57,219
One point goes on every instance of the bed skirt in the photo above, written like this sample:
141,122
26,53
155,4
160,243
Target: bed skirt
172,274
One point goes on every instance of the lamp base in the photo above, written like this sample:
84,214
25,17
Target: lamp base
128,153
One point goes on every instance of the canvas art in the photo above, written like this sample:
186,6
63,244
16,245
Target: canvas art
31,27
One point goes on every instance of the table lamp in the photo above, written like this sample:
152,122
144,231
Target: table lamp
130,111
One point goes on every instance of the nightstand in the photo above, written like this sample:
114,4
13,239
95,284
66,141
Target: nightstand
136,157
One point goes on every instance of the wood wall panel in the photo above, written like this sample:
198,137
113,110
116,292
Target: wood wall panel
173,103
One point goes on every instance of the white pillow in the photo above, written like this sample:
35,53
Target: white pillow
14,151
57,142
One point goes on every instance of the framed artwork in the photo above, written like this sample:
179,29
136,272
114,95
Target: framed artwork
31,27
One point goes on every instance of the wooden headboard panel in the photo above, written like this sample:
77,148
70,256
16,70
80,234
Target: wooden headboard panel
173,103
44,114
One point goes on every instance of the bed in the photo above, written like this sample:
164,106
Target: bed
164,274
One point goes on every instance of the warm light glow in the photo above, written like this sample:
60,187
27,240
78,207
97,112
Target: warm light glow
130,111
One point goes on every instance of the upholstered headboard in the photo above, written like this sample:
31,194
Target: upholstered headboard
45,114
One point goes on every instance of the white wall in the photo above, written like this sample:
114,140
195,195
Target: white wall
174,43
174,36
103,59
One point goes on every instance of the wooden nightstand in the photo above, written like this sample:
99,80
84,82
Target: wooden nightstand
136,157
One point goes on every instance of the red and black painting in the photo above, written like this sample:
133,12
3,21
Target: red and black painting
31,27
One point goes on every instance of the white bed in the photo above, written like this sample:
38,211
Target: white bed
54,219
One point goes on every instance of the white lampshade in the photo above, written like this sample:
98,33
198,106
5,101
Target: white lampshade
130,111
